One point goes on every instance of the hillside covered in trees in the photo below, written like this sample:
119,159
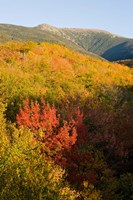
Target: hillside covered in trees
93,42
66,125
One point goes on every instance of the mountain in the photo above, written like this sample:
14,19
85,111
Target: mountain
88,41
10,32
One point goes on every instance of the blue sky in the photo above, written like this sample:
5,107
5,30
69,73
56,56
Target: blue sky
115,16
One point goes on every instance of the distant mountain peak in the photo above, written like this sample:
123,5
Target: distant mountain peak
47,27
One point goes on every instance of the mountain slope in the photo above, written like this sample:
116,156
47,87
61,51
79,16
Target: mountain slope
102,43
66,121
105,44
10,32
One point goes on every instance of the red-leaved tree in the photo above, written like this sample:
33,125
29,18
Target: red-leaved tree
62,141
56,135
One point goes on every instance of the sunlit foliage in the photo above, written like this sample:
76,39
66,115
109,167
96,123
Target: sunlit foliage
66,124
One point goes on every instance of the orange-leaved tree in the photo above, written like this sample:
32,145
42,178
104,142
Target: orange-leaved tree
58,136
63,142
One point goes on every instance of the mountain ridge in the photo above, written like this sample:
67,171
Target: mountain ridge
95,42
48,26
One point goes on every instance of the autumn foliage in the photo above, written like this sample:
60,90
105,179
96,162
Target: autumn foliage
74,129
46,126
66,143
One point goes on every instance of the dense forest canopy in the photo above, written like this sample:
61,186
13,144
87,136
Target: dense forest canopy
66,124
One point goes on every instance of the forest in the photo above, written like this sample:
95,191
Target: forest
66,125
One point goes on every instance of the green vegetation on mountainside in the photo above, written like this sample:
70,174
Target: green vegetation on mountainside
96,43
19,33
105,44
